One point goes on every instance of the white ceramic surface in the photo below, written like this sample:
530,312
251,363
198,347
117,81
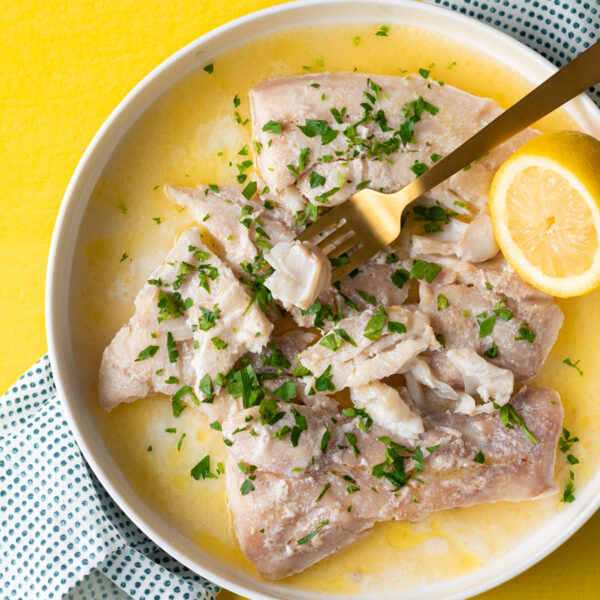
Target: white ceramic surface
64,363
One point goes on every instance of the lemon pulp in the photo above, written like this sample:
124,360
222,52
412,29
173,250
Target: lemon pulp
557,236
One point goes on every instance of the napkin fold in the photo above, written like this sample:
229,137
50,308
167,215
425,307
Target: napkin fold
61,535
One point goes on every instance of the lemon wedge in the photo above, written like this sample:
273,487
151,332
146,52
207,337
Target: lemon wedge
545,208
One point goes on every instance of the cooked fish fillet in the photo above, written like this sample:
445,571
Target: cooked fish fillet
468,308
491,383
474,241
450,117
372,285
225,208
365,359
302,272
496,274
297,511
197,349
388,408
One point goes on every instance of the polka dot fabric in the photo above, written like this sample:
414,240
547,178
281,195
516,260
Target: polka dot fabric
557,29
61,535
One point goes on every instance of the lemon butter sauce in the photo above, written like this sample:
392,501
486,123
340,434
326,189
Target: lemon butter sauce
193,134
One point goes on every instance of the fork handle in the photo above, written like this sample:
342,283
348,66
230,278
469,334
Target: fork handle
574,78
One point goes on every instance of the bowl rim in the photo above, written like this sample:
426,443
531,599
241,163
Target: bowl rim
73,206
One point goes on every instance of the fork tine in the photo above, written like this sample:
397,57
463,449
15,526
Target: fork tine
334,236
329,219
345,246
356,260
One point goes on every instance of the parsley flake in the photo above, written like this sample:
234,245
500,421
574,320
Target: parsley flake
272,127
202,470
147,353
575,365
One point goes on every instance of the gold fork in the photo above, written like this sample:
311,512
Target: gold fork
370,220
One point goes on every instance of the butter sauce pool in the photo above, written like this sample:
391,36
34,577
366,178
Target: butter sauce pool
192,135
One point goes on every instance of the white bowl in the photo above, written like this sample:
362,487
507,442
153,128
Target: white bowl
64,364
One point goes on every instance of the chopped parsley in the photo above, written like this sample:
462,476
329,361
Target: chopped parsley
275,359
206,387
486,324
246,487
209,317
325,438
257,272
492,351
286,391
180,442
312,534
396,327
219,343
335,339
392,468
352,441
568,495
363,416
314,127
147,353
250,190
125,256
442,302
400,277
171,348
418,168
575,365
323,383
209,68
269,415
382,31
479,458
316,180
323,492
300,426
376,324
510,417
202,470
565,442
311,212
216,426
433,217
525,334
171,305
177,403
366,297
272,127
424,270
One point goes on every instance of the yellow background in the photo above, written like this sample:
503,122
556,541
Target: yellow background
63,67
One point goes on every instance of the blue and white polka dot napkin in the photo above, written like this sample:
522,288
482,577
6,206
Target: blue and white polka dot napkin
61,535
